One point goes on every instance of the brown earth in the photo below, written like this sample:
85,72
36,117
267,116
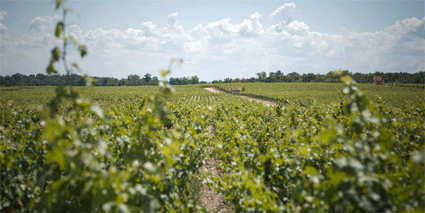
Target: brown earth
267,103
211,199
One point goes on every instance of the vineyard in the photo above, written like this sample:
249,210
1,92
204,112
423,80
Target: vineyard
325,93
318,148
141,149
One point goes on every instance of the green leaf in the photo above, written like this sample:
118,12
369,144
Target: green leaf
71,11
51,69
83,50
59,29
75,65
346,79
56,155
59,3
310,170
56,54
164,73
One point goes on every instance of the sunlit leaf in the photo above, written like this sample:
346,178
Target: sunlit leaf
59,29
83,50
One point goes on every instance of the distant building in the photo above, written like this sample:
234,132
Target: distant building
236,90
377,80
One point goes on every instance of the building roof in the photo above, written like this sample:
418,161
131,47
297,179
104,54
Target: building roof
236,88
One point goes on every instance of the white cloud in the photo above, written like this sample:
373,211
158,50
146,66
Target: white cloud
255,16
283,10
297,26
251,27
75,30
399,29
3,29
244,47
150,29
417,43
45,24
172,17
3,15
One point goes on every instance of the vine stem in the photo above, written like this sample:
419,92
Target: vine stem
65,44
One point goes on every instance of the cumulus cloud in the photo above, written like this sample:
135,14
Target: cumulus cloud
150,29
3,15
44,24
297,26
3,29
417,43
255,16
251,27
75,30
172,17
283,10
224,45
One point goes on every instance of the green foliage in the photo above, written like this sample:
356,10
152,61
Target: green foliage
339,157
141,148
305,94
59,29
83,50
345,158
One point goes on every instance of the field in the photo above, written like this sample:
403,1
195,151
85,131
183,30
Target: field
327,93
142,148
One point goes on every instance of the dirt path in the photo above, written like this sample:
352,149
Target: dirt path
213,89
267,103
211,199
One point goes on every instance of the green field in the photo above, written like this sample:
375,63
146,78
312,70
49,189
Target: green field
126,149
328,93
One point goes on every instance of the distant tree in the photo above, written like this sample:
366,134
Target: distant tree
154,81
294,77
2,81
147,78
175,81
133,80
262,76
227,80
112,82
195,79
81,82
122,82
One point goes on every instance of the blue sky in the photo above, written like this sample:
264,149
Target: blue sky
218,39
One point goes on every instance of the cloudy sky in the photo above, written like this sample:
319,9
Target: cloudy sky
218,39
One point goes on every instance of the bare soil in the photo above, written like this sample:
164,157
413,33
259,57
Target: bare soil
212,89
267,103
211,199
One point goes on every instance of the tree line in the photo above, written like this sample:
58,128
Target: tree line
135,80
78,80
331,77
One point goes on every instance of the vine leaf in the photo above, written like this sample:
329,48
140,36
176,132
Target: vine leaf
51,69
59,3
83,50
56,155
56,54
59,29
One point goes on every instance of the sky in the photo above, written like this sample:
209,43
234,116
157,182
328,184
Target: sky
217,39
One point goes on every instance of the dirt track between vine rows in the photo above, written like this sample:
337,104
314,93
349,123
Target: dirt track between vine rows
211,199
267,103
